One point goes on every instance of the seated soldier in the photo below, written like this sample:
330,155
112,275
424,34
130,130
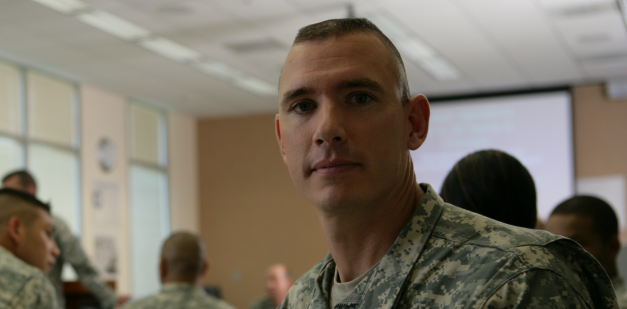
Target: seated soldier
27,252
183,264
70,250
593,224
278,282
494,184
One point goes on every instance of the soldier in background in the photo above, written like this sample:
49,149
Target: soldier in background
27,252
181,268
71,250
278,282
486,180
592,223
345,127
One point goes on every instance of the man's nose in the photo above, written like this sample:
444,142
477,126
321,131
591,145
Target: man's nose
55,249
330,127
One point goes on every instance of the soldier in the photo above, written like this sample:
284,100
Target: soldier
27,251
71,250
278,282
592,223
345,126
182,266
485,181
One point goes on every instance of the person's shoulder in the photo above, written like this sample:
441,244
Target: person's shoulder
204,300
301,290
463,226
221,304
508,251
22,281
15,272
145,302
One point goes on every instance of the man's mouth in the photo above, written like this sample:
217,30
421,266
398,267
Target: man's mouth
335,166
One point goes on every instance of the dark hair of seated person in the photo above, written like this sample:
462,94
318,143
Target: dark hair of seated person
494,184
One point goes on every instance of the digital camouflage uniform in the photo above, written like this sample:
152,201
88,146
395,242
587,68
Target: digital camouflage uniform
179,296
447,257
72,252
264,303
621,291
23,286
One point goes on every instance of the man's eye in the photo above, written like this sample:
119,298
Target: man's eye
303,107
361,98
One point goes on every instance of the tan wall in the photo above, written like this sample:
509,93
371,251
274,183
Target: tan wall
251,214
600,129
600,133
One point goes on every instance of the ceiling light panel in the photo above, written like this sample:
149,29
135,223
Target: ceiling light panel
113,25
170,49
63,6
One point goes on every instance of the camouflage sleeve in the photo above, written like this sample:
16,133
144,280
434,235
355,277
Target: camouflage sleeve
536,289
87,274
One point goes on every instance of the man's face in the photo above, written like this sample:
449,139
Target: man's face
37,246
342,127
277,283
581,229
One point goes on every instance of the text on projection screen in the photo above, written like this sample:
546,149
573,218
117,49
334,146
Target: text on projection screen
534,128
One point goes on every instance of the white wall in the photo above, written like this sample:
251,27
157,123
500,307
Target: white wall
103,114
183,173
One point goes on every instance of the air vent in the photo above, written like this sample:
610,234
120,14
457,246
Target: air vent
264,45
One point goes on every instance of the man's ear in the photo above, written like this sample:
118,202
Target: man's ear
418,113
204,269
15,228
277,128
613,247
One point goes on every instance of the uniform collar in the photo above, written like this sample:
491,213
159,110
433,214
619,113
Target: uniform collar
388,278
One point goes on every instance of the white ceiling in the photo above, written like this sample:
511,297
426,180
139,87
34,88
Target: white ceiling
497,45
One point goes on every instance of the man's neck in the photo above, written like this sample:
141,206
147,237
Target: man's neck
180,281
358,241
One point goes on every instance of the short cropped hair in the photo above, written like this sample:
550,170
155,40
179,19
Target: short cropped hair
24,178
346,26
494,184
184,253
604,220
19,203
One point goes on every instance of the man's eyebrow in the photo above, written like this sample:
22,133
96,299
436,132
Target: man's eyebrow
361,83
295,93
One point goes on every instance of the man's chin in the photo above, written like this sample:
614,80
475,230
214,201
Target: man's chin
338,204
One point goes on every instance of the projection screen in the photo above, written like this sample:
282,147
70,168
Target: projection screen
535,128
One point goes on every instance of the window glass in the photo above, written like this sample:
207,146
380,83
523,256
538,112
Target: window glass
57,174
146,134
149,226
9,99
11,155
50,109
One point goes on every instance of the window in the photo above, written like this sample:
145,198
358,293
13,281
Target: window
39,132
149,208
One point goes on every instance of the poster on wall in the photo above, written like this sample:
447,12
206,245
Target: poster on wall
106,223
